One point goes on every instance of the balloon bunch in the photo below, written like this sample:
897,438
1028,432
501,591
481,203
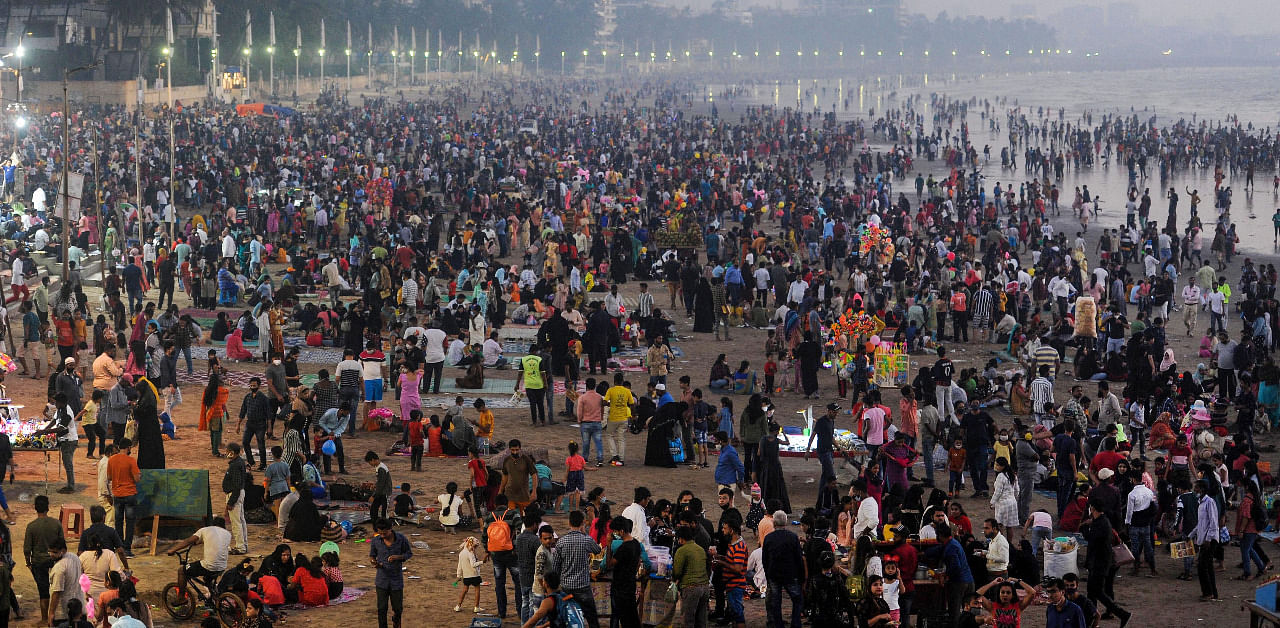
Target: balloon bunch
383,415
379,191
872,237
860,324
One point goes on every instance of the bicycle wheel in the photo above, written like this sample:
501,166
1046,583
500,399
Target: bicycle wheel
230,610
179,602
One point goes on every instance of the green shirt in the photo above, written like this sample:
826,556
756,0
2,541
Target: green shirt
689,567
40,533
532,367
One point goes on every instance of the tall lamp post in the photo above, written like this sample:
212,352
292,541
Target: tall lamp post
66,164
19,52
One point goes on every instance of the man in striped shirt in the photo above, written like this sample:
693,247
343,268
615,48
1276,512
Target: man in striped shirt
1046,356
734,567
1042,393
644,303
982,307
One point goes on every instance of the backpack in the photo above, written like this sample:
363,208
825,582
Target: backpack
499,534
568,612
1258,514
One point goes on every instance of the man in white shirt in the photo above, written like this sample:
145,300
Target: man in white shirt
333,279
228,245
1217,303
1061,290
493,352
40,239
797,290
762,285
613,304
636,512
217,546
929,531
868,519
997,552
38,199
432,343
1191,300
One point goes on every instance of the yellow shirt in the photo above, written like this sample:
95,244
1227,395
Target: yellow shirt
620,400
485,423
1003,450
90,416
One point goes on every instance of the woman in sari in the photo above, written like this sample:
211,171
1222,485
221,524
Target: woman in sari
1019,398
213,408
235,347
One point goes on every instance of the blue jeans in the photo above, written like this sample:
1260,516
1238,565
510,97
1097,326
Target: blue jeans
1039,535
500,572
186,353
1247,553
1066,488
592,432
1140,541
531,603
926,451
734,611
773,602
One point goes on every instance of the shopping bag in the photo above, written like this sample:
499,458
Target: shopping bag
1182,549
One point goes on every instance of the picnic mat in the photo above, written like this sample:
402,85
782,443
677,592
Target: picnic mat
349,594
446,401
306,355
494,387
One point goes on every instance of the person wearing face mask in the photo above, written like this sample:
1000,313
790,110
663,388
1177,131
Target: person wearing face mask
1026,457
277,391
255,412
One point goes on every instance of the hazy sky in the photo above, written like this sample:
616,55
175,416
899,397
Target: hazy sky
1241,16
1247,17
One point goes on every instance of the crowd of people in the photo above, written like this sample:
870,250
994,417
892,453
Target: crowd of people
407,233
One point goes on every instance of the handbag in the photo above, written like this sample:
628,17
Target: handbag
677,450
673,593
1122,553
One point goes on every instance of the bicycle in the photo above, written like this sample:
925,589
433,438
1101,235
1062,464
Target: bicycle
181,597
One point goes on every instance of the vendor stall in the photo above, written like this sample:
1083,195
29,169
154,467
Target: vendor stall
22,434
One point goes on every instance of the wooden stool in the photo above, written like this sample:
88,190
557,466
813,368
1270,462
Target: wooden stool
73,514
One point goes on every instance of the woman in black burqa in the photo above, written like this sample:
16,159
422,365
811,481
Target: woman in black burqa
663,426
809,355
773,486
704,313
149,439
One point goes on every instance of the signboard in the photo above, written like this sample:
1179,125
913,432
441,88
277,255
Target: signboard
893,365
75,188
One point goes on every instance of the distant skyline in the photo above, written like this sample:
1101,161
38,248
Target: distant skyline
1242,17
